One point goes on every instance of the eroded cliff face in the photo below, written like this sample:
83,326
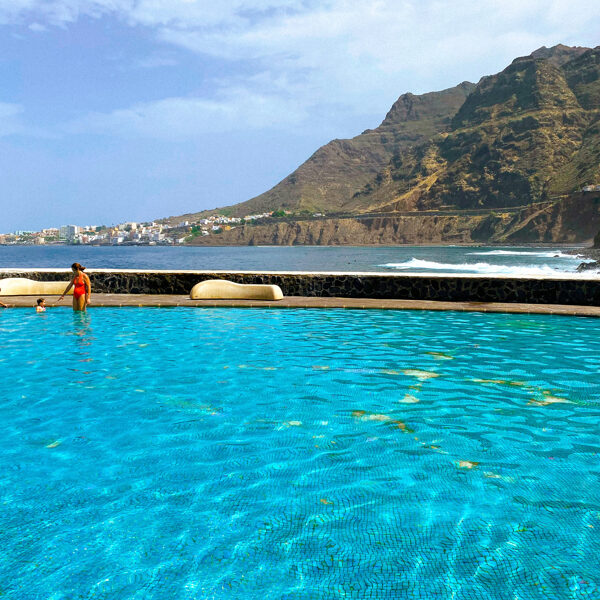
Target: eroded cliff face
572,220
522,136
350,232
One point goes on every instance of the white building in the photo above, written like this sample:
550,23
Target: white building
591,188
68,232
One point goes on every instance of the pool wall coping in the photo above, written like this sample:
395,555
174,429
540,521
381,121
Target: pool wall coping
298,302
567,275
580,290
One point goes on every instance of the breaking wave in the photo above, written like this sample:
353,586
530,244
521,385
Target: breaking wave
484,268
533,254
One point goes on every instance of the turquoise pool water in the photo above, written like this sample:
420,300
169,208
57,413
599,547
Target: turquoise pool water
296,454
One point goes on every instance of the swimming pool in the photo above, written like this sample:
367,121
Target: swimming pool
296,454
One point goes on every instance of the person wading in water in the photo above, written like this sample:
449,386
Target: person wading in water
82,288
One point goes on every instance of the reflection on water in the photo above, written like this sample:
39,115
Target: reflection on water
82,328
299,454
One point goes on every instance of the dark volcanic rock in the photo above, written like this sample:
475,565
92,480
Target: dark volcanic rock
571,220
584,292
588,266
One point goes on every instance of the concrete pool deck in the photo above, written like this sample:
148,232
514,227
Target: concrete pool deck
171,300
562,289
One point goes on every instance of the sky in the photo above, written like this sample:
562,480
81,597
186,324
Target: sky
132,110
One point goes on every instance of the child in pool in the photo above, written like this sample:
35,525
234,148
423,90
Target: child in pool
41,305
2,305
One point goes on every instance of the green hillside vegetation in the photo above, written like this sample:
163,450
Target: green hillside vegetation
330,179
528,134
522,136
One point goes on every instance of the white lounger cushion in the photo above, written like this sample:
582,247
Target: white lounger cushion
221,289
20,286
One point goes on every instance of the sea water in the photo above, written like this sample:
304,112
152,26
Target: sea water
298,454
390,259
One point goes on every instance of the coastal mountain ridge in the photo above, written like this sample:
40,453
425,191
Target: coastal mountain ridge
329,181
523,137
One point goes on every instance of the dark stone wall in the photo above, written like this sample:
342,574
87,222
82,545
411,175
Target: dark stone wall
446,288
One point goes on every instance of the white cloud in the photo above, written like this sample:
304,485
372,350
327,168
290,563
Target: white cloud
151,13
10,119
362,54
154,62
392,37
355,55
180,118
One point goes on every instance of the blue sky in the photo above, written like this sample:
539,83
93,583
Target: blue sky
114,110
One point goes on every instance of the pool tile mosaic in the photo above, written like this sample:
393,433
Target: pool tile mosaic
231,453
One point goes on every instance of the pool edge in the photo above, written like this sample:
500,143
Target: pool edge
168,300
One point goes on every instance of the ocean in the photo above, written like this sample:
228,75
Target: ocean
518,261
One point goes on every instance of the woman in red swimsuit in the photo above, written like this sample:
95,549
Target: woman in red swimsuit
82,288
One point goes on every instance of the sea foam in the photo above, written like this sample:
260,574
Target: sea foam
533,254
483,268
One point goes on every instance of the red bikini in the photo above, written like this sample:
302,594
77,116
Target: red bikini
79,287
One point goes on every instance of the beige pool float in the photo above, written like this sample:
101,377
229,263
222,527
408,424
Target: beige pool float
221,289
20,286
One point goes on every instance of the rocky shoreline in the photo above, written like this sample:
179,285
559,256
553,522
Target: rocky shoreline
592,256
571,220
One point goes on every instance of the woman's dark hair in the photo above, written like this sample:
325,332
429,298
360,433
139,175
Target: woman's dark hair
39,301
77,266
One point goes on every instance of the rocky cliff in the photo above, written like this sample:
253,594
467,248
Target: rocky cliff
570,220
525,137
522,136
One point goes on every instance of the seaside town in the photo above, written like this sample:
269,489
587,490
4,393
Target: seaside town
150,233
130,233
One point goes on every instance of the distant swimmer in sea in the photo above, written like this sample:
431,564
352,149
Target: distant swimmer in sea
41,305
82,288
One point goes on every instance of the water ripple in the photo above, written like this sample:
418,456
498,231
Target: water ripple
299,454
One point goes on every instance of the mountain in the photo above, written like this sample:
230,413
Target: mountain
559,55
515,140
526,136
331,178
